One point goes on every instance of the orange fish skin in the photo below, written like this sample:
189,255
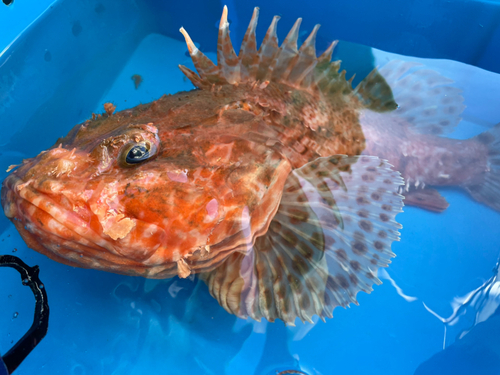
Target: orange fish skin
222,158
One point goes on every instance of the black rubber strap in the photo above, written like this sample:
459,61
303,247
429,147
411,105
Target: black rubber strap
38,330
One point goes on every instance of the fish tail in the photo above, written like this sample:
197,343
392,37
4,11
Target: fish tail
488,191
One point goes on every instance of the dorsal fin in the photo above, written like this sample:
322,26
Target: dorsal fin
375,93
426,99
298,68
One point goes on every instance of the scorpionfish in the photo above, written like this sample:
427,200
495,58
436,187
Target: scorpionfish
260,180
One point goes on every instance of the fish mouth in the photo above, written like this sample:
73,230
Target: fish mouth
62,235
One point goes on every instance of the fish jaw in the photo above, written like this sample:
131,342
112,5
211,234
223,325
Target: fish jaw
104,223
51,208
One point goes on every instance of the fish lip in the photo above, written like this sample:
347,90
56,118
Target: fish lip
36,199
88,238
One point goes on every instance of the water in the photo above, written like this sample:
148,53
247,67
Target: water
77,57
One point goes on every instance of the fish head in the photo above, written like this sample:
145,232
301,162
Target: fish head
148,199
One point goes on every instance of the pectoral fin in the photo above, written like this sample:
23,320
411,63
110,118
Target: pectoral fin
332,231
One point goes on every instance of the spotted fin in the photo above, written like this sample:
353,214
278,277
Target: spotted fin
287,64
332,231
425,99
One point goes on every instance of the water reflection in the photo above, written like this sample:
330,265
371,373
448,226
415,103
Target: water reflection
475,323
155,309
473,308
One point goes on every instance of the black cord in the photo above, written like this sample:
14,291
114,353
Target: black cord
38,330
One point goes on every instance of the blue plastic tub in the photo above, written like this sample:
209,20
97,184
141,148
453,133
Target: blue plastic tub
78,55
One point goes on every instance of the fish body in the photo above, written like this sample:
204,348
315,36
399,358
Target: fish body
256,181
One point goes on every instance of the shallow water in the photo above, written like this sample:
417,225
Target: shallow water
103,323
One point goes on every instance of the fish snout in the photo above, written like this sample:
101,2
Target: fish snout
58,163
47,187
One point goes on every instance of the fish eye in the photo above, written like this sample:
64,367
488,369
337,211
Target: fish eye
136,153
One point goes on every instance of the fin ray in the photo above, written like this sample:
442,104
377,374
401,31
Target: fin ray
268,51
288,51
302,267
285,64
306,61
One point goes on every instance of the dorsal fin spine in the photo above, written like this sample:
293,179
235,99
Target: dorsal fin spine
306,61
268,51
227,61
249,60
326,57
300,69
193,77
207,70
283,64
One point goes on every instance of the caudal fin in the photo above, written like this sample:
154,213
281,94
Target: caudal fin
488,191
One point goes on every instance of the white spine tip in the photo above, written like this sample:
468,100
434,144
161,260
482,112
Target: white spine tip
223,20
190,45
